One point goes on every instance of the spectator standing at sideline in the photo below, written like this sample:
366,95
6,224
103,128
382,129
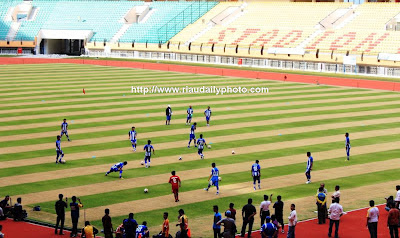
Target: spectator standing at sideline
233,211
292,222
107,224
164,233
216,226
336,194
248,213
393,221
397,199
130,226
372,219
279,211
336,211
183,224
75,215
60,211
264,209
229,225
321,205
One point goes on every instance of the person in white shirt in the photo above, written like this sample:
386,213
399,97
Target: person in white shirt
336,194
397,199
292,222
336,211
372,219
264,208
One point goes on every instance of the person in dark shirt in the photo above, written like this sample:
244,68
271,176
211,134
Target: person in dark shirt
130,226
60,211
107,224
279,211
75,215
233,211
248,213
168,113
5,206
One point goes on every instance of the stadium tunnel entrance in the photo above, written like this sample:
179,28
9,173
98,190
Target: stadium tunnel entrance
69,42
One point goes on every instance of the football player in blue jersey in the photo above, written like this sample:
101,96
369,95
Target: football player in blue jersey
117,167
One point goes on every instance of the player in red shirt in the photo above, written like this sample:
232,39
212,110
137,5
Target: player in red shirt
175,182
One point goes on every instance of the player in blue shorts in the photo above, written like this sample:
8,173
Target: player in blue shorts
207,113
189,115
142,231
59,150
117,167
256,173
214,178
200,146
310,162
168,113
132,136
192,135
347,146
147,154
64,129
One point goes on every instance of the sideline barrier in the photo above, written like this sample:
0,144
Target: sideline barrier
311,79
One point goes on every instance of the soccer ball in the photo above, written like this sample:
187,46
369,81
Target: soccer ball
209,146
146,190
180,158
63,161
142,163
233,152
219,178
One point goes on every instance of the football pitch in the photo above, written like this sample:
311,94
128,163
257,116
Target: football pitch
277,128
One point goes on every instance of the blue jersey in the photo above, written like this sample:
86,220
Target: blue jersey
141,229
347,141
132,135
64,126
215,174
190,112
200,143
192,129
309,162
269,229
118,166
207,112
58,145
217,218
255,169
147,149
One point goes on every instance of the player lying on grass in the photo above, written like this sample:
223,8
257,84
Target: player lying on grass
117,167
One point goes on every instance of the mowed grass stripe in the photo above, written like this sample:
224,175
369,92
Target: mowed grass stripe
231,173
157,136
121,126
240,165
133,96
390,117
257,102
238,188
315,98
263,144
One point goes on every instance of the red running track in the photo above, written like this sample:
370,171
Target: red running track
311,79
352,225
12,229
